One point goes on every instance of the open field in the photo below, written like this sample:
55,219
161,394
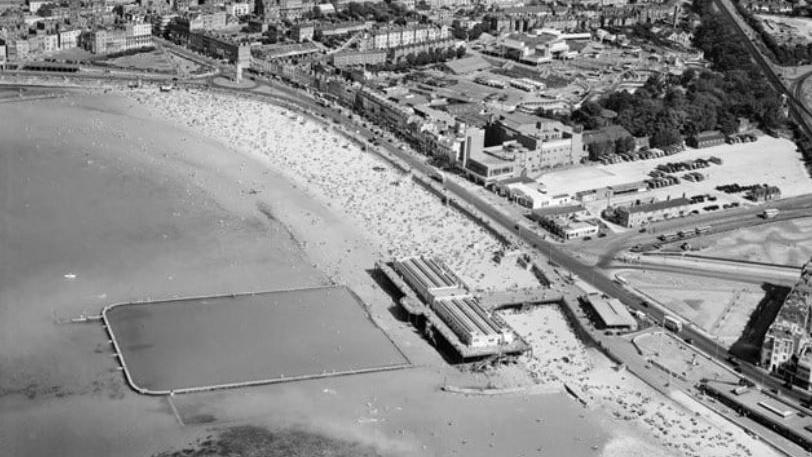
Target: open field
184,65
786,171
782,243
787,30
721,308
152,60
681,359
169,346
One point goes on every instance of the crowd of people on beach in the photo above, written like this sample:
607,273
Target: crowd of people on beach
403,219
397,213
558,356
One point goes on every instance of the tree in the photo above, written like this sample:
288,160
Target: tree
624,144
461,52
589,115
47,10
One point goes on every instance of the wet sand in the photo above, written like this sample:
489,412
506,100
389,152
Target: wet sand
88,192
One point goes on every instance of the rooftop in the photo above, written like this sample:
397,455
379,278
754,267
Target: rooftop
517,180
532,41
431,273
709,134
656,206
558,210
611,311
467,65
608,133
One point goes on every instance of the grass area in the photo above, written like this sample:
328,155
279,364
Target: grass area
183,64
251,441
784,243
720,307
151,60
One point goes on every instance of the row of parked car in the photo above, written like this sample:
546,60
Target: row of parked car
662,181
701,198
643,154
743,138
694,176
673,167
736,188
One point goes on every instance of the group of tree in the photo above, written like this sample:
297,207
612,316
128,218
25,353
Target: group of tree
780,53
462,33
379,12
668,109
433,55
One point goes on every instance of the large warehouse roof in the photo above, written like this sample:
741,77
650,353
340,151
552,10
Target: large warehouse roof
430,273
611,311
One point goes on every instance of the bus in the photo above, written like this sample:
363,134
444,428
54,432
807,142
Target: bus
672,323
770,213
669,237
703,229
621,280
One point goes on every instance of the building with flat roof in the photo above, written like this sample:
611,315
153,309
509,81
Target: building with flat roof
472,324
131,36
571,230
549,143
609,312
637,215
532,49
789,334
448,297
706,139
766,409
220,47
495,163
559,211
430,278
396,37
351,58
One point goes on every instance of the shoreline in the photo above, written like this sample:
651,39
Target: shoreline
587,385
308,219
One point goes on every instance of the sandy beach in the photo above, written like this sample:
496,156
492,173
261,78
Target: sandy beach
342,176
397,214
113,203
110,204
559,357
